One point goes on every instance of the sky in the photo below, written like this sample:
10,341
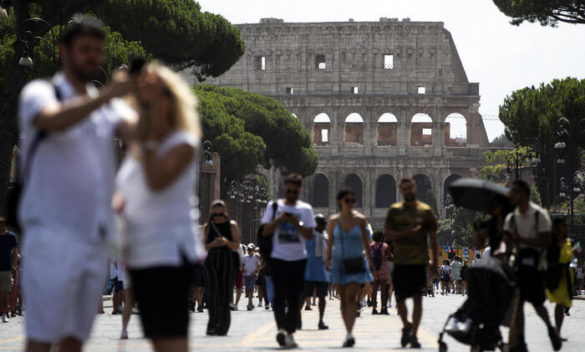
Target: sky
498,55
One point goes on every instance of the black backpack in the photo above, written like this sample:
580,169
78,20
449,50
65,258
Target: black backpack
377,257
265,242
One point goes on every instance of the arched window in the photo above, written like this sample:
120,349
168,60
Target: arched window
385,191
424,191
455,130
354,129
321,129
320,191
421,130
387,130
446,185
354,182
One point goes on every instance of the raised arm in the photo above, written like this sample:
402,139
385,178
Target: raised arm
59,117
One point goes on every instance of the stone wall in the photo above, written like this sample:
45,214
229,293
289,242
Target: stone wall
338,71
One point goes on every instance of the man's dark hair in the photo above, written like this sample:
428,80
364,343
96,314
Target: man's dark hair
295,179
522,185
378,236
407,180
81,25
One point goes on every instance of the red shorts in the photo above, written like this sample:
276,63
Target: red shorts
239,280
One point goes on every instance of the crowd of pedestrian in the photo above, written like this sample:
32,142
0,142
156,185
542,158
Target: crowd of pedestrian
162,255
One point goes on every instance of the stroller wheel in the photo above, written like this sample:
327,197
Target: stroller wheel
442,347
476,348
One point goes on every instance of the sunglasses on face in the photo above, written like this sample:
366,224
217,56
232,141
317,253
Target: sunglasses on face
349,201
217,215
292,193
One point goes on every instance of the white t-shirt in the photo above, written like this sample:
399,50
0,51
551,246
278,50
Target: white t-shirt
287,242
251,264
528,229
162,226
71,180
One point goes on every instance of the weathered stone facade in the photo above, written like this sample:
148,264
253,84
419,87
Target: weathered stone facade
361,89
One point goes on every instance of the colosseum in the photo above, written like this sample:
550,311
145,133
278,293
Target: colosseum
380,99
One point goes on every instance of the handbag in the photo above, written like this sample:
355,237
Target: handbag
351,266
16,188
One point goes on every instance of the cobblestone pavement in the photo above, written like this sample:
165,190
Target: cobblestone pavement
255,331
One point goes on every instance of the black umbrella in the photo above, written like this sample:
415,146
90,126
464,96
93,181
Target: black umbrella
478,194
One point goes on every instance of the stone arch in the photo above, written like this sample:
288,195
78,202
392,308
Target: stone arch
354,129
455,130
385,191
320,191
354,182
421,130
387,130
321,129
424,190
448,181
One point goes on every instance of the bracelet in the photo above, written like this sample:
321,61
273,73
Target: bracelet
150,145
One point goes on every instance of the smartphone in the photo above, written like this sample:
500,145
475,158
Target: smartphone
136,66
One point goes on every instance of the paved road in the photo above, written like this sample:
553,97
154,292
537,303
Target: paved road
254,331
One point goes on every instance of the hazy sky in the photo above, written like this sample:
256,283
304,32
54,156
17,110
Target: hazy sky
499,56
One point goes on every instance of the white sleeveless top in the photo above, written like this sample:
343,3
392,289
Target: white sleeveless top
162,227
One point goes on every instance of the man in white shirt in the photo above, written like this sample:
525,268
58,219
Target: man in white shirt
528,229
290,226
65,210
251,269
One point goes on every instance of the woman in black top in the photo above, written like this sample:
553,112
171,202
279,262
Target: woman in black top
221,237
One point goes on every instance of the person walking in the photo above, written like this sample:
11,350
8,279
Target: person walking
156,184
251,270
456,266
8,265
221,236
349,268
290,225
528,230
317,277
445,275
560,277
412,225
68,162
380,257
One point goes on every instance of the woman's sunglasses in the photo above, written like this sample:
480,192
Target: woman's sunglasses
349,200
217,215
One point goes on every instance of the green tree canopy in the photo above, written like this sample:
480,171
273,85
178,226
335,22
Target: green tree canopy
249,129
546,12
175,31
532,117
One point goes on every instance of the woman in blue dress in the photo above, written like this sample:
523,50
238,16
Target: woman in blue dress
349,266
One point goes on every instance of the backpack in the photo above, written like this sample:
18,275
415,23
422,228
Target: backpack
265,242
377,257
444,274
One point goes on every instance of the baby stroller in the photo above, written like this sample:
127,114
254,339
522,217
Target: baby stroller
477,322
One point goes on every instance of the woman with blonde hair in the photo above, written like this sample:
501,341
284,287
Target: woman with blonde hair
156,183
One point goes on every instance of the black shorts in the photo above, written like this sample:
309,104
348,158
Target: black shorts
409,280
201,276
162,295
310,286
531,284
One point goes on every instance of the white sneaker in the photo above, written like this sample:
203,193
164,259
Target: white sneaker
281,337
5,318
289,341
466,325
452,325
349,341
